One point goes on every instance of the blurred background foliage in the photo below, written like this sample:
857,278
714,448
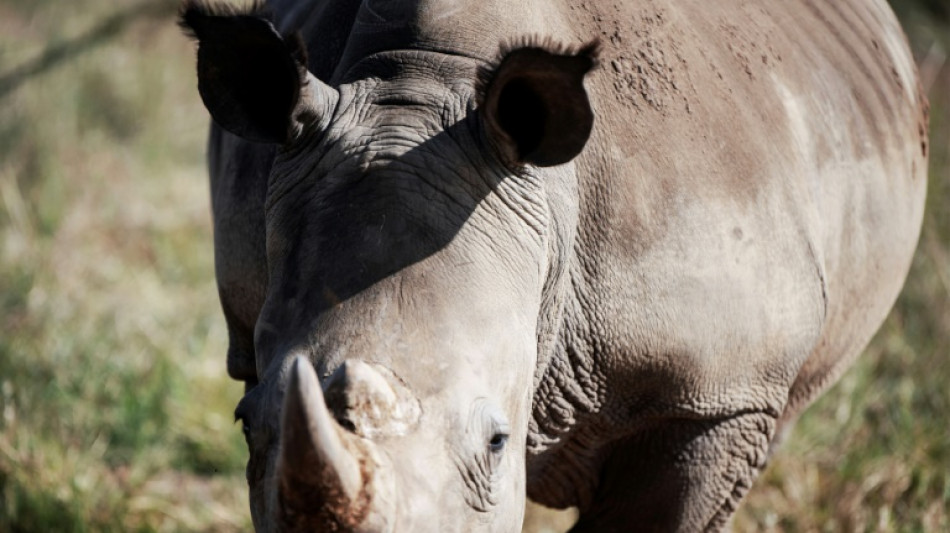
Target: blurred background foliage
115,408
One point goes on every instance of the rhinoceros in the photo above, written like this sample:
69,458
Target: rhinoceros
597,254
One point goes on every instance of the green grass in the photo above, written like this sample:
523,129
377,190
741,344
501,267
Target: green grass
115,408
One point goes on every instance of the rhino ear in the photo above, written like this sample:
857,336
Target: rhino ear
249,76
534,104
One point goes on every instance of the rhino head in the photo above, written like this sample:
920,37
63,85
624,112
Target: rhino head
419,214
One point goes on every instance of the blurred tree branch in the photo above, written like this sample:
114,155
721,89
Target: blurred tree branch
58,53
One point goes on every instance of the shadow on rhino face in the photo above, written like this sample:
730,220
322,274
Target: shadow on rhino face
407,232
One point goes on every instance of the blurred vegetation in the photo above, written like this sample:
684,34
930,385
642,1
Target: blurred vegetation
115,408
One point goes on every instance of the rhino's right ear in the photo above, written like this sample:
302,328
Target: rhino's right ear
253,81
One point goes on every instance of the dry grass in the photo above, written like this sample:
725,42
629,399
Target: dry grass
115,407
114,404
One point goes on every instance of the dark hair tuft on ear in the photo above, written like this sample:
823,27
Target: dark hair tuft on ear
486,73
192,13
550,45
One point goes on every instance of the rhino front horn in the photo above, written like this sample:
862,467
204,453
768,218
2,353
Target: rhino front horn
323,471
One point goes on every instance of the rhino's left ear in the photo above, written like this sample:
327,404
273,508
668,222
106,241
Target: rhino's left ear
534,104
253,81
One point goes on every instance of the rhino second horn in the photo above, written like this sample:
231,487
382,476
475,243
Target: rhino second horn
371,400
319,467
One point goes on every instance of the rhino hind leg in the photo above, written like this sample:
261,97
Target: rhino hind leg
689,475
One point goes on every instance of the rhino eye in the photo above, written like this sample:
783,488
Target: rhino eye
245,429
497,442
241,415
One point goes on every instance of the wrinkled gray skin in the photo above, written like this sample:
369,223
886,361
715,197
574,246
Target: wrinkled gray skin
402,285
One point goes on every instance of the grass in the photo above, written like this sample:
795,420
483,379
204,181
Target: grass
115,408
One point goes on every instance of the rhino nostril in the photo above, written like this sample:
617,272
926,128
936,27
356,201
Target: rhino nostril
345,423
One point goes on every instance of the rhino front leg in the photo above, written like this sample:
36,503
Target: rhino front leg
684,475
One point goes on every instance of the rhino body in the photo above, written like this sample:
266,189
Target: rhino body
634,321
